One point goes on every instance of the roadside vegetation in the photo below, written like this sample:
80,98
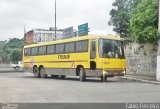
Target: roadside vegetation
136,19
11,51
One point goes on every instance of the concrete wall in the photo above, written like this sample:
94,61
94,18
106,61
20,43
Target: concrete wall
141,59
158,62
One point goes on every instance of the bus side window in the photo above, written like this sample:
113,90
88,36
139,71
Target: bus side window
34,51
69,47
27,51
50,49
93,49
82,46
42,50
59,48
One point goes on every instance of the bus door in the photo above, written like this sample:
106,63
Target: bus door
93,55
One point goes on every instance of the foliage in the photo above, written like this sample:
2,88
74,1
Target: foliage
136,18
11,51
15,55
144,22
121,15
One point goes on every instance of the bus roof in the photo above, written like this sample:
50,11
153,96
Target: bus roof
92,37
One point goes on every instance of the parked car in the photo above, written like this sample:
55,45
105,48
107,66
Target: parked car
17,66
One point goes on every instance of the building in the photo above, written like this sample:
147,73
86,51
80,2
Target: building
28,37
42,35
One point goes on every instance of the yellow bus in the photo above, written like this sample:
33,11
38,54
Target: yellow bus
87,56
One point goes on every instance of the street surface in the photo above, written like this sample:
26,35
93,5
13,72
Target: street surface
24,88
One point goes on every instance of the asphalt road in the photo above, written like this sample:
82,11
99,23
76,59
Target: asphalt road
24,88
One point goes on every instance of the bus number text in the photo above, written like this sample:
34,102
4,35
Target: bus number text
63,56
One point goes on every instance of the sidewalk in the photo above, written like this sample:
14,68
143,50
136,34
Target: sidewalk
5,68
145,79
8,70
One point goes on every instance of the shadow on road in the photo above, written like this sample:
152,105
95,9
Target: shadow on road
90,80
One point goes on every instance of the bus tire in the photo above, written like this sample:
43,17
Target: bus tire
36,72
82,74
42,73
103,78
62,76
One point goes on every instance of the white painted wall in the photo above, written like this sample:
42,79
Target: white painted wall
158,68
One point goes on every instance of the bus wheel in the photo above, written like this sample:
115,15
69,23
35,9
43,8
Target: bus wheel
62,76
36,72
82,74
42,72
103,78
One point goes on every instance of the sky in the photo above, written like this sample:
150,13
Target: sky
33,14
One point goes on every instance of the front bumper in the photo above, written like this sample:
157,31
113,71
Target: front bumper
108,73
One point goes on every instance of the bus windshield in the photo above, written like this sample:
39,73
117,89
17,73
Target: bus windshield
110,48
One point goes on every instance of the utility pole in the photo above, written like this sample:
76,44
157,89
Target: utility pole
159,17
55,21
25,35
24,29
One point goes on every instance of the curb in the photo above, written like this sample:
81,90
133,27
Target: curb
10,71
140,80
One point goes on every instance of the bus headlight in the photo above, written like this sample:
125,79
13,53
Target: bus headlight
124,72
104,72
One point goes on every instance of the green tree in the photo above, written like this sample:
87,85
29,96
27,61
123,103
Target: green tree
144,21
15,55
3,56
11,50
15,43
121,15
